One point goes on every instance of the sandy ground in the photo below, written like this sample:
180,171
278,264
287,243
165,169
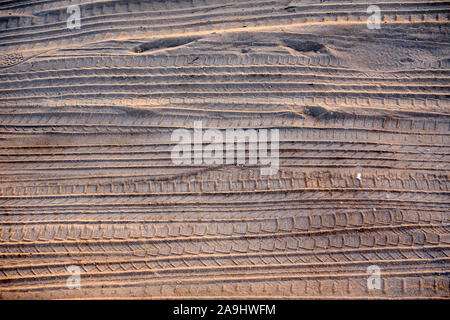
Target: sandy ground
86,177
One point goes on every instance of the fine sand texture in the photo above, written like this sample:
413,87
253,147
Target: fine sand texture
86,175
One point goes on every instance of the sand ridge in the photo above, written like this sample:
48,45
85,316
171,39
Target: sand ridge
87,178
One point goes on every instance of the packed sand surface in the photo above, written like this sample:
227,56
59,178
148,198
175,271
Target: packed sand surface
87,179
